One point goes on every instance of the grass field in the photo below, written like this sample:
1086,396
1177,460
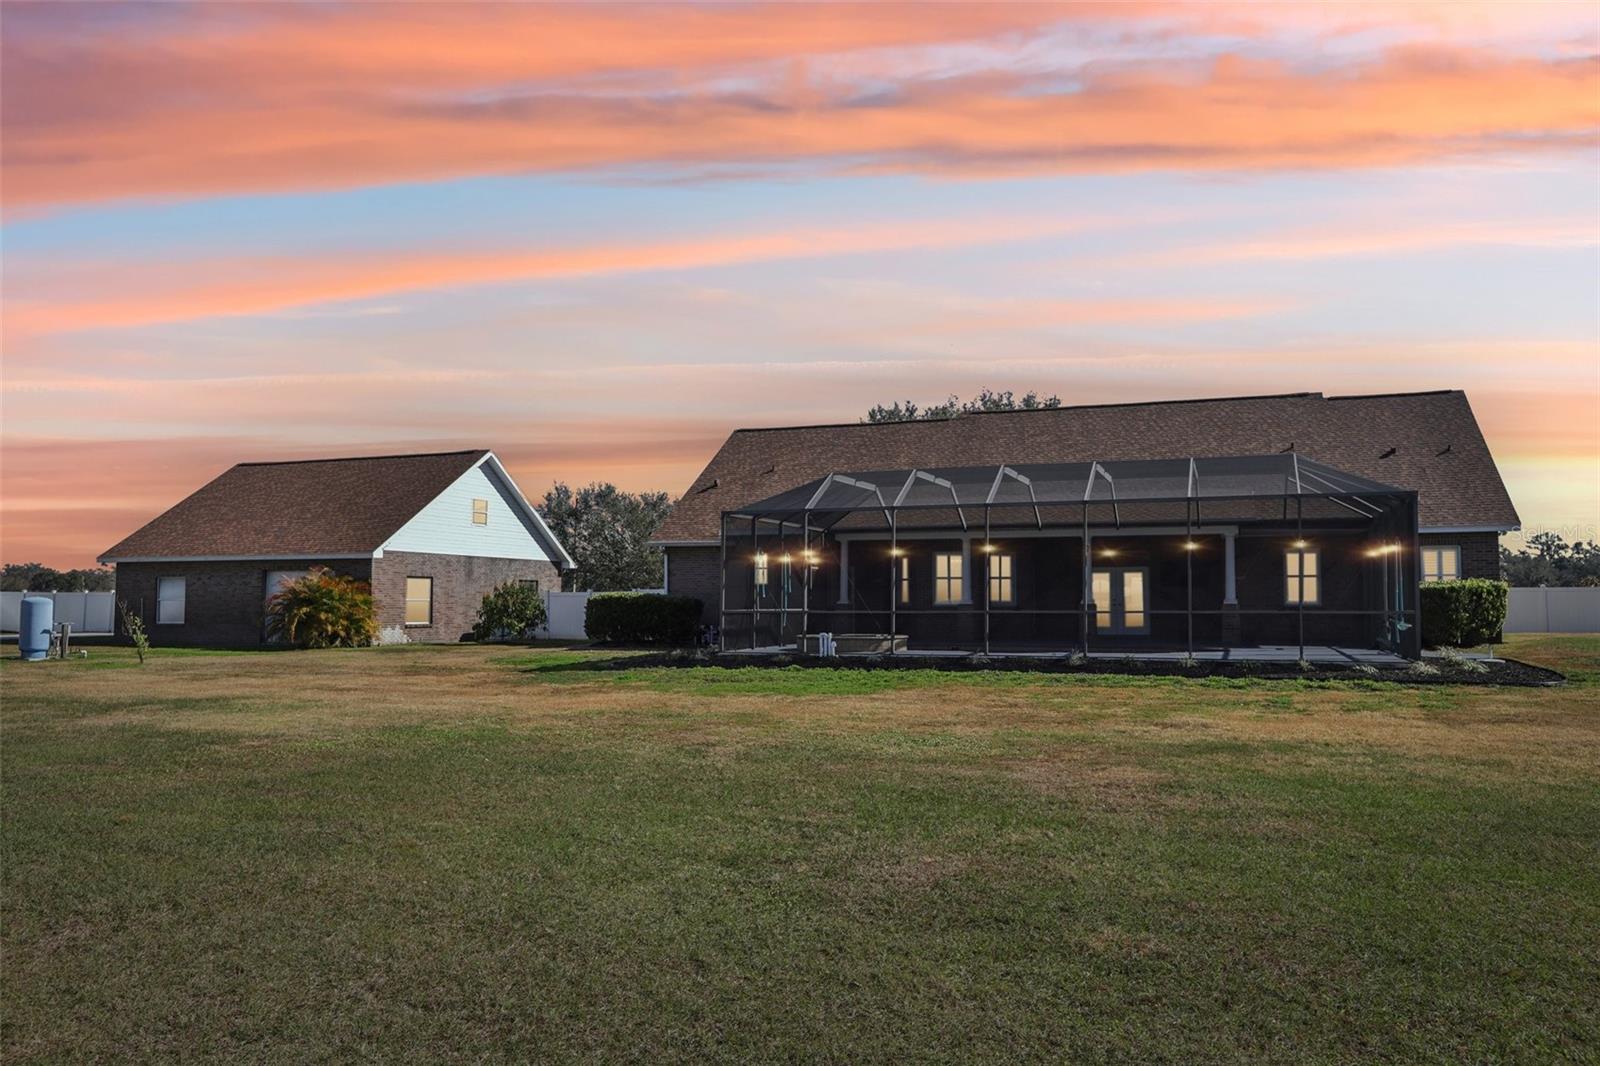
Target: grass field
463,853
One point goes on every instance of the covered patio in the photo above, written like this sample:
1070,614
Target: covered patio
1186,556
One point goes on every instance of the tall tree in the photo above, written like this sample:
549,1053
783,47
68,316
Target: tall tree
986,400
606,531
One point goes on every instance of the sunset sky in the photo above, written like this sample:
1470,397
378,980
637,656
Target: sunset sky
597,238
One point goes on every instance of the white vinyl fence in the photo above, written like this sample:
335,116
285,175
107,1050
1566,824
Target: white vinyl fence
89,612
568,613
1575,610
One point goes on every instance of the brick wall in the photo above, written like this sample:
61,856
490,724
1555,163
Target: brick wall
459,584
1480,552
224,603
697,572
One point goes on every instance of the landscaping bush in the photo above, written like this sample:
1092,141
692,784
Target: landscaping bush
323,610
1462,614
641,618
512,611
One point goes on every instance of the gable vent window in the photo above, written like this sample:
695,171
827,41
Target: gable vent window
480,512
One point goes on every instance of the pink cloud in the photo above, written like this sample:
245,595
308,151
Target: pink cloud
297,99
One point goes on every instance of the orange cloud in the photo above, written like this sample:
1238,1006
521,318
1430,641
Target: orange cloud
290,99
88,296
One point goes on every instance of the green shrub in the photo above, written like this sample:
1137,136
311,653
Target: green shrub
1462,614
512,611
641,618
323,610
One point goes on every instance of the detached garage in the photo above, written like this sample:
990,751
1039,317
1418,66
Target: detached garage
432,533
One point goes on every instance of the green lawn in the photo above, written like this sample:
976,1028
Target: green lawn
464,853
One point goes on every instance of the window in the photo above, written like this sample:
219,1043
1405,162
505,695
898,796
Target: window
905,579
761,573
480,512
529,582
947,577
1001,587
419,601
1441,564
170,595
1302,577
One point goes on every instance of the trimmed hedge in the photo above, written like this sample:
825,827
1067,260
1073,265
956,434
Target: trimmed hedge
641,618
1460,614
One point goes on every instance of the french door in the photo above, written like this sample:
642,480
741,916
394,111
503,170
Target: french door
1119,600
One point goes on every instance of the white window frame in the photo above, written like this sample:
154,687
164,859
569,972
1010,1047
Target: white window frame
905,579
762,573
1297,597
948,586
409,599
1436,553
1006,581
182,600
480,512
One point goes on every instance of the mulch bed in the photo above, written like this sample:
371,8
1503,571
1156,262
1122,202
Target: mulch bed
1446,672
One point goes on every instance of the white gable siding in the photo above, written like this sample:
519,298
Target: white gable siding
445,526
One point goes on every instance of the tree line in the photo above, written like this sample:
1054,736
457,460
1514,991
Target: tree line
1547,559
36,577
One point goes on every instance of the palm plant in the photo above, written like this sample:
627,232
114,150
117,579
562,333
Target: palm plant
323,610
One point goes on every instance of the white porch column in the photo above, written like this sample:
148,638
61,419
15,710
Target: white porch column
1229,592
844,571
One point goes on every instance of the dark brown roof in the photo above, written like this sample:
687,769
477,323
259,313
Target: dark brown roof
307,507
1427,441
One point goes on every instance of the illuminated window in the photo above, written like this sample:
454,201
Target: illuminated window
480,512
905,579
947,577
1101,591
419,601
761,573
1302,577
170,595
1441,564
1001,588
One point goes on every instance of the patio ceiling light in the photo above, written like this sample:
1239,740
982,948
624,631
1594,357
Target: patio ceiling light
1301,545
1191,545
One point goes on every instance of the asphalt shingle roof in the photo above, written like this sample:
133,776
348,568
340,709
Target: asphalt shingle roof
1427,441
301,508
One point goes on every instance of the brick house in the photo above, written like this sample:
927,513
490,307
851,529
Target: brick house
778,536
432,534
